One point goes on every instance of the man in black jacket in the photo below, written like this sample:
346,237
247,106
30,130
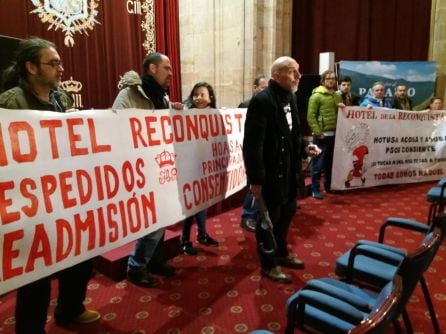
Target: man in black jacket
401,100
273,147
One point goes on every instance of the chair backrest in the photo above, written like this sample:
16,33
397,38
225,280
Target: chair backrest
386,307
386,310
417,261
394,296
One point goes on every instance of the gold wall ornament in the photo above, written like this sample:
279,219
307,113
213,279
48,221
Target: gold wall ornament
74,88
148,25
70,16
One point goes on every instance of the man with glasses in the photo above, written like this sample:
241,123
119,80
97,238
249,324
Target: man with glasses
32,82
322,116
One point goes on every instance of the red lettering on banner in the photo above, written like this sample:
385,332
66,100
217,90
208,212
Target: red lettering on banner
186,189
3,157
238,117
136,128
112,210
128,176
110,175
10,253
151,131
142,180
101,227
52,124
86,191
49,185
178,128
7,217
192,127
95,147
123,218
99,187
30,210
14,129
81,226
166,125
40,248
63,232
66,188
23,140
74,137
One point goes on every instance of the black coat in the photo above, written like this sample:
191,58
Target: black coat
271,151
397,104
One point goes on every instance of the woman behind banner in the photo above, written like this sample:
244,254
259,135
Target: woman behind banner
201,97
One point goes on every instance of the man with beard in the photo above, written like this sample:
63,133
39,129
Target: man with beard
322,117
148,91
401,100
32,82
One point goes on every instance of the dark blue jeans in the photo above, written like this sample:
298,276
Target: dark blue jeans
322,163
187,225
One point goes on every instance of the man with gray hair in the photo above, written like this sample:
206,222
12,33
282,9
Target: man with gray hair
273,147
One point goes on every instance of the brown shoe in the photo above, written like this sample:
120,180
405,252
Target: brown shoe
86,317
290,261
276,274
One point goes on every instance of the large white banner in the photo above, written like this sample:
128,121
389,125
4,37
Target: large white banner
387,146
75,185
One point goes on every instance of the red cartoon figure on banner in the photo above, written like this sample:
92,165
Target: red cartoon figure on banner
358,165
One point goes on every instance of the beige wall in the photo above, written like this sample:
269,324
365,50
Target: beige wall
437,47
229,42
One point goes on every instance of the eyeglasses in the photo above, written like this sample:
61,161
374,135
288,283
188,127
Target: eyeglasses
330,78
53,63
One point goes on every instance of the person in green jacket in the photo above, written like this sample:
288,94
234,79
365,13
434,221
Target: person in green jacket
322,115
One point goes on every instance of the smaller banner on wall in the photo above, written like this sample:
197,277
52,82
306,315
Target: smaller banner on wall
418,76
74,185
386,146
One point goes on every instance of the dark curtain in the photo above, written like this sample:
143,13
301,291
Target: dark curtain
99,56
168,37
387,30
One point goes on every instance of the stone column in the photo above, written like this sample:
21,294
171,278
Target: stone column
229,42
437,45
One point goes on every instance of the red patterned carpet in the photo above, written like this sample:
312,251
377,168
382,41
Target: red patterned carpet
221,291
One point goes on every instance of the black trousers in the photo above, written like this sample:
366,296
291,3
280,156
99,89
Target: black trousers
281,217
33,299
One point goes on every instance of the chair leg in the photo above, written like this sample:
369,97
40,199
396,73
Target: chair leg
407,322
430,305
396,326
433,211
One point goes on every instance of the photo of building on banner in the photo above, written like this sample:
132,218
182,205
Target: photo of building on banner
75,185
387,146
418,76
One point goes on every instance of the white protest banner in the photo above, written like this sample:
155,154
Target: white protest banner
387,146
74,185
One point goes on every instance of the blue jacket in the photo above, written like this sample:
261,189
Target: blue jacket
374,102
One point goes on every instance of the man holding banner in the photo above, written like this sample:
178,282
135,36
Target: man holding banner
33,82
147,92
